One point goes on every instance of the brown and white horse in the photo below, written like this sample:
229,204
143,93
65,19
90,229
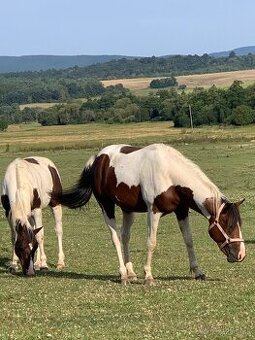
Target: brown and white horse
156,179
26,187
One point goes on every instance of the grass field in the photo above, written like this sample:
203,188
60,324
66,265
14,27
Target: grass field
85,300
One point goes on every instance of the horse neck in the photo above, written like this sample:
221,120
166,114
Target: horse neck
208,199
212,205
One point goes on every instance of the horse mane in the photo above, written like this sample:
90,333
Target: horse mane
233,215
21,208
197,171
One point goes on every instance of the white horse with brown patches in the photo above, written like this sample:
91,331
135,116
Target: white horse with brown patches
26,187
156,179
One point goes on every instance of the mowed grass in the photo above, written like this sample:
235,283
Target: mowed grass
85,300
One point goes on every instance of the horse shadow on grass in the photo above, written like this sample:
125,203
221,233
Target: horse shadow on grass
54,273
114,278
4,263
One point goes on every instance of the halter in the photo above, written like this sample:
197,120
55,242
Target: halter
216,223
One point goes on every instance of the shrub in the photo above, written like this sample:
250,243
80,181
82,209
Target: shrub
3,125
242,115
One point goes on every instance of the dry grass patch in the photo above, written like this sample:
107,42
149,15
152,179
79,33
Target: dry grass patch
37,105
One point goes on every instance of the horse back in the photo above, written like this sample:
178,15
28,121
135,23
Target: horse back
34,177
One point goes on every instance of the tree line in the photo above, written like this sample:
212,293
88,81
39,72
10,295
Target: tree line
235,105
146,66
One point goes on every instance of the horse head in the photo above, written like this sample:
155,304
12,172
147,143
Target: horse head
225,230
26,246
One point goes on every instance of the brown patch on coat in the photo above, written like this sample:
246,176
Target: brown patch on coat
128,149
31,160
108,193
167,201
36,200
57,186
6,204
175,199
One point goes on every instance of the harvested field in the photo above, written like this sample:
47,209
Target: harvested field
221,79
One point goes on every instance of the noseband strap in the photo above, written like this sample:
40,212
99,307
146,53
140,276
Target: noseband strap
216,223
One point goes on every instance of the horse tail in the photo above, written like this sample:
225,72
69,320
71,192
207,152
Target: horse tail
80,194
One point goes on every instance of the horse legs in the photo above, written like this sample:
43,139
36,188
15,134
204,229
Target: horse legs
153,221
57,213
116,242
128,219
14,261
187,237
41,260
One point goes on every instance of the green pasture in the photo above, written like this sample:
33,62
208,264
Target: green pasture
85,300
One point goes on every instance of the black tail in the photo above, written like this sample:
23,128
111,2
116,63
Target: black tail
80,194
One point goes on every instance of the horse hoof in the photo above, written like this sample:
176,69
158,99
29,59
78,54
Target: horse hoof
132,278
12,270
149,282
201,277
44,269
60,266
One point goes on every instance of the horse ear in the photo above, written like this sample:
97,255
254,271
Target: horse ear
35,231
31,220
237,204
18,225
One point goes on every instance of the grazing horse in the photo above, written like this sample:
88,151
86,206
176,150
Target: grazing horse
156,179
26,191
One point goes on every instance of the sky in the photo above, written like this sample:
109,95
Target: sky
130,27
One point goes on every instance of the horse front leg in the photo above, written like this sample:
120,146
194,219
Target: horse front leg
41,260
187,237
153,221
13,267
57,213
128,219
111,223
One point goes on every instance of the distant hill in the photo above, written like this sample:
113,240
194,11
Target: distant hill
238,51
46,62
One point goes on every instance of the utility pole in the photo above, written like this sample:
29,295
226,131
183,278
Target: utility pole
190,116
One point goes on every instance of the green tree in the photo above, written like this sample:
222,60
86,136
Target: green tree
242,115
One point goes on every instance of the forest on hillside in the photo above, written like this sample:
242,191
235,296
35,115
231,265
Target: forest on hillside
235,105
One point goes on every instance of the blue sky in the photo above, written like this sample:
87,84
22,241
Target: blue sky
131,27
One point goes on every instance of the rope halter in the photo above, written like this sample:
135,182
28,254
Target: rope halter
216,223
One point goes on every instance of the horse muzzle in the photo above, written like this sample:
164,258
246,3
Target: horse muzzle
235,255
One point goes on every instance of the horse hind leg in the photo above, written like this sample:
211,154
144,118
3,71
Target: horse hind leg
111,223
128,219
57,213
153,221
187,237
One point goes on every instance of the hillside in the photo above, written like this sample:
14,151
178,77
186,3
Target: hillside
238,51
46,62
